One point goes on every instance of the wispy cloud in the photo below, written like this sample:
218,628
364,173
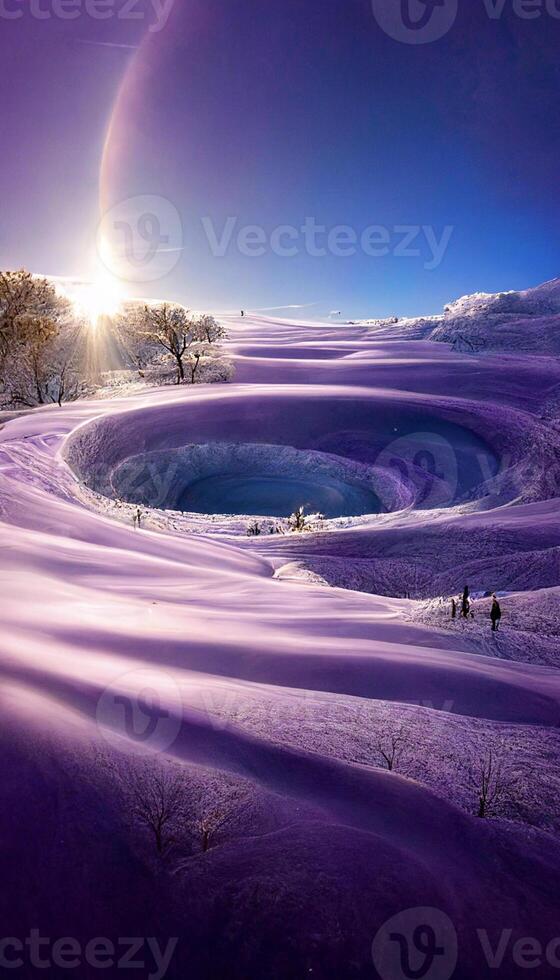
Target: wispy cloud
108,44
290,306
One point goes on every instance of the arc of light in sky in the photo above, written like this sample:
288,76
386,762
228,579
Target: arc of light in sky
140,232
112,146
111,136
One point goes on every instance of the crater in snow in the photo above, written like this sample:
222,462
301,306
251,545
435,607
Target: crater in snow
264,480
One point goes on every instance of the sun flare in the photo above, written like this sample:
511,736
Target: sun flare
98,299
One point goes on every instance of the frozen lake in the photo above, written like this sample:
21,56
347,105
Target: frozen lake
276,496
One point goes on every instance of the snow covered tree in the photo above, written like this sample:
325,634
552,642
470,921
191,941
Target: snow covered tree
167,326
210,328
215,368
297,519
179,335
30,310
157,337
43,370
38,343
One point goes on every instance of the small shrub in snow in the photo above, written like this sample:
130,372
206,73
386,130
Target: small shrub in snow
300,521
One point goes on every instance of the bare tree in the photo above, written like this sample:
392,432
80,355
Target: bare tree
393,745
214,815
154,795
169,327
206,332
495,782
159,803
209,825
181,815
66,383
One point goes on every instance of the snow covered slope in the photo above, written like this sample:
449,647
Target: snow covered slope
182,648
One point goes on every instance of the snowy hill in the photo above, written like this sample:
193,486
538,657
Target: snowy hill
526,321
539,301
277,703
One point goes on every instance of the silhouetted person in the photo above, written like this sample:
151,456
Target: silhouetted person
242,312
138,517
465,603
495,613
453,609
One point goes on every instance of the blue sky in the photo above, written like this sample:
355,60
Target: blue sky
274,112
